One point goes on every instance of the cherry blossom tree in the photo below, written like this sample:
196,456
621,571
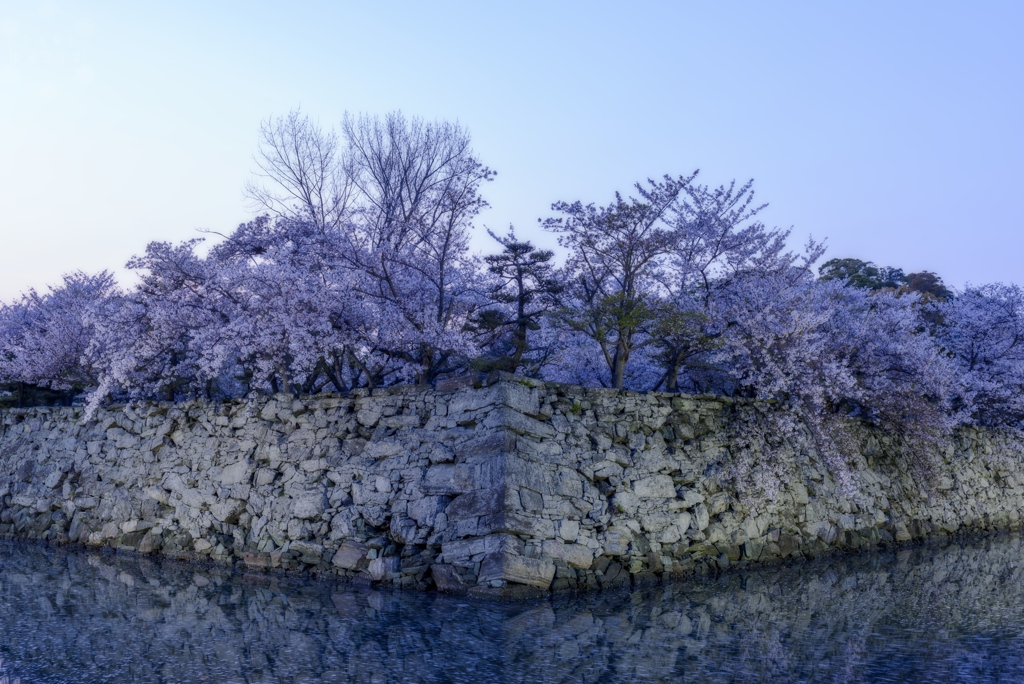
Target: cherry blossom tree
43,337
616,257
718,244
833,356
151,344
395,199
291,315
982,328
360,275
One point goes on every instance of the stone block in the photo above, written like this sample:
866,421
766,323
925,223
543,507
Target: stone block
313,465
574,555
570,484
531,501
520,398
256,561
468,402
157,494
456,383
236,473
228,511
624,502
308,552
461,551
719,503
54,479
616,541
474,504
524,425
701,517
604,470
691,498
655,487
514,569
308,504
425,510
448,479
520,522
447,579
800,496
131,540
350,555
569,530
520,472
151,542
193,498
381,568
380,449
402,529
368,411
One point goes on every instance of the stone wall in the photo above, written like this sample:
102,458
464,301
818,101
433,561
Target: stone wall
504,489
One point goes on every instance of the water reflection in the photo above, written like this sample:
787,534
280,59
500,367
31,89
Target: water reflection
953,613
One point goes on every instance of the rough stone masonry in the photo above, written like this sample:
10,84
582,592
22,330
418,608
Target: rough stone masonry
508,488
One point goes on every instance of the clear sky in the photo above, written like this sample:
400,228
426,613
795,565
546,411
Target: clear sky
894,129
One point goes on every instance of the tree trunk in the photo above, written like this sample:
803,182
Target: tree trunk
672,377
619,365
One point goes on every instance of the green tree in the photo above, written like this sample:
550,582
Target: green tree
526,289
865,274
928,285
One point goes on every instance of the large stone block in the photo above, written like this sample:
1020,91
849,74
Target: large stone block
521,522
447,579
475,504
524,425
236,473
521,398
573,555
655,487
382,568
308,552
448,479
308,504
514,569
350,555
228,511
461,551
425,510
466,403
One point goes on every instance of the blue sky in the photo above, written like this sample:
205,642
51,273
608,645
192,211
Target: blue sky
892,129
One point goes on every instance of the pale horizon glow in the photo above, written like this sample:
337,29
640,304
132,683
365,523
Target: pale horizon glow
892,130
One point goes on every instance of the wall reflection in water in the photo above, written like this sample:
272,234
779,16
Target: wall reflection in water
952,613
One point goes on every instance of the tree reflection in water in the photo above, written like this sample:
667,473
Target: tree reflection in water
932,613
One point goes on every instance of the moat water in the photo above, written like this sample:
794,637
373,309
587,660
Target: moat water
937,613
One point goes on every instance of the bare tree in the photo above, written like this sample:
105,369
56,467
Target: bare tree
393,199
410,172
302,171
418,187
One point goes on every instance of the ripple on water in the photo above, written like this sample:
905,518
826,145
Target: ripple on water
925,614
